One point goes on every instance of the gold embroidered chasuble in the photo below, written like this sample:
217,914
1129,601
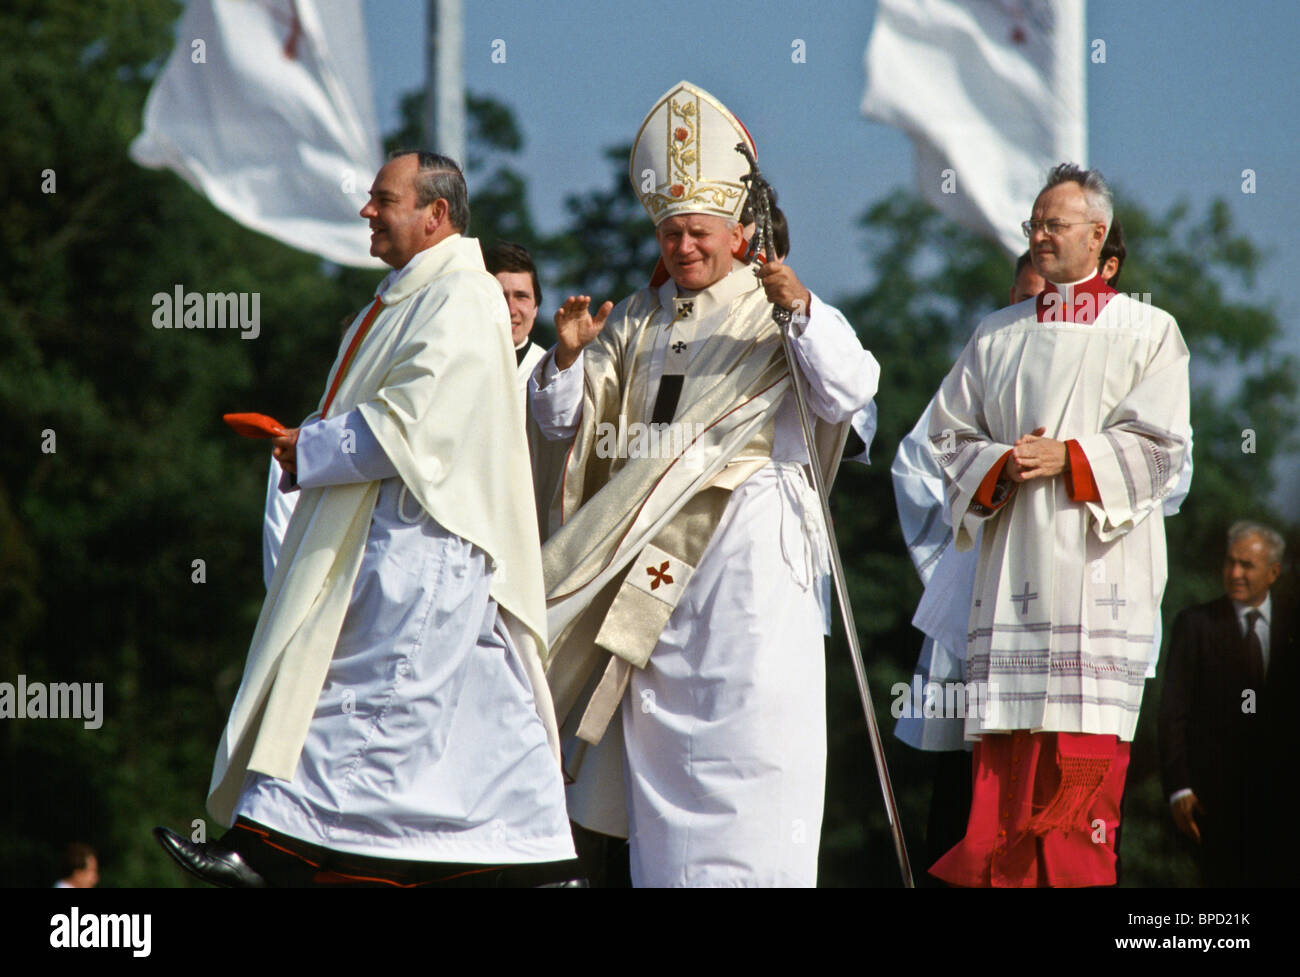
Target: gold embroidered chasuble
629,526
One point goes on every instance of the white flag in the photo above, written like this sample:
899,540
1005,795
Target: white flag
265,107
992,94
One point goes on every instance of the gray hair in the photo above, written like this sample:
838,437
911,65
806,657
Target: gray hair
1101,203
438,177
1271,537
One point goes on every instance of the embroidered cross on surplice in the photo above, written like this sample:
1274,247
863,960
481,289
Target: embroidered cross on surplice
658,576
1024,598
1114,602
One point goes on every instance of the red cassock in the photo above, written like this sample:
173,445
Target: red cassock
1044,810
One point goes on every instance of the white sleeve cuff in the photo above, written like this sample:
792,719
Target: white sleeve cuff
341,451
841,376
556,397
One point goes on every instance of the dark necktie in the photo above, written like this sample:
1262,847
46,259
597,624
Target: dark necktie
1254,651
520,353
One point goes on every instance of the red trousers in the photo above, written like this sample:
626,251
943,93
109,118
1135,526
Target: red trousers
1015,776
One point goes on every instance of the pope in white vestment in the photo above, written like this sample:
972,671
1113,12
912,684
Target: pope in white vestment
713,762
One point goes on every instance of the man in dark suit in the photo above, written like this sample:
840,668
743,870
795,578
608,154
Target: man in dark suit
1221,718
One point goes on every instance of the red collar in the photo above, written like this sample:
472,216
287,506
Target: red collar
1081,303
660,274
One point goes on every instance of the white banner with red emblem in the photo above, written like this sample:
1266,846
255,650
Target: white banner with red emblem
265,107
992,93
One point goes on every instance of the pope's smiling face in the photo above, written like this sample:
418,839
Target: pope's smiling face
399,228
697,248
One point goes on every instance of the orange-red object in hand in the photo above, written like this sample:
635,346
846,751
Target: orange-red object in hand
255,425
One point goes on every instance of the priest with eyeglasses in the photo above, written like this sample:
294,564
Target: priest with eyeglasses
1060,430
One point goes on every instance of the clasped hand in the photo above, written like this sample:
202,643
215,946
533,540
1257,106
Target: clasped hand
1034,456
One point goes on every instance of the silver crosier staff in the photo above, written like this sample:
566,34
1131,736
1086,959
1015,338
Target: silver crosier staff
760,196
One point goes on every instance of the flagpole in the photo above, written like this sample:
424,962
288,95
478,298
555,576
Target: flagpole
443,124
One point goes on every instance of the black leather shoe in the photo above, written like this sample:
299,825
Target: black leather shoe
214,865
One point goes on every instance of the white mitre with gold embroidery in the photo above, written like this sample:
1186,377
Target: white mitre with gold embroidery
684,160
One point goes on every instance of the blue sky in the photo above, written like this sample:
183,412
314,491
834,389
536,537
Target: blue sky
1191,94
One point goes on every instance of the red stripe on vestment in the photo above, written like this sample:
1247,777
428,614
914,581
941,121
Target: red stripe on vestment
364,328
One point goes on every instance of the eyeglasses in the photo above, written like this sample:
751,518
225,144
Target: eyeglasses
1053,227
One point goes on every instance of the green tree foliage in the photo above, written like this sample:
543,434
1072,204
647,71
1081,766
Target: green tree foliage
608,249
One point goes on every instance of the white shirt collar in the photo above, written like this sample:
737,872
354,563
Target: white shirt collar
736,282
1265,610
397,274
1086,278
